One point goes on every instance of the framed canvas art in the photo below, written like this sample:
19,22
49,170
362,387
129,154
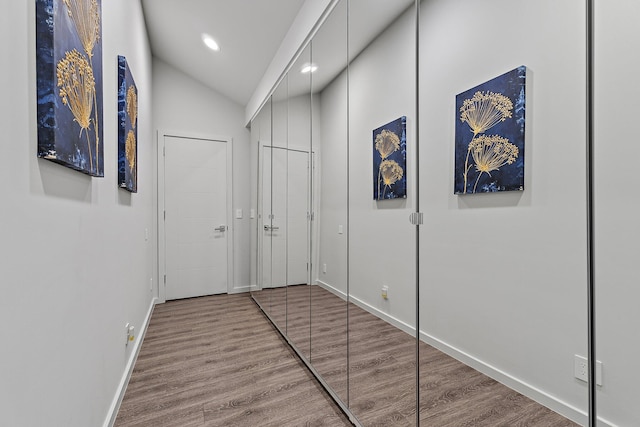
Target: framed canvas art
69,80
127,128
489,141
390,160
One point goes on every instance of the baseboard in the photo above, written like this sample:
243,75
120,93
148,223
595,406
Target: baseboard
331,289
242,289
363,305
122,387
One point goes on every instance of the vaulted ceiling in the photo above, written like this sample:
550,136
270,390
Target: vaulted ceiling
249,33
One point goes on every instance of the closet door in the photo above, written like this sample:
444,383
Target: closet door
298,203
329,197
503,257
277,226
382,196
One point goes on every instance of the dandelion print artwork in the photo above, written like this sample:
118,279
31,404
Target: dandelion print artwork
127,128
489,151
69,79
390,160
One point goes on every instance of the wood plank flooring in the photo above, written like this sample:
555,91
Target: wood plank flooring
217,361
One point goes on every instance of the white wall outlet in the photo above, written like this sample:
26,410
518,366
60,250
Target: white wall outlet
238,213
146,234
581,370
385,292
252,213
151,283
131,330
324,268
340,229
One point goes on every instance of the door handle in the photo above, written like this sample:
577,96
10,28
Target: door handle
221,228
270,228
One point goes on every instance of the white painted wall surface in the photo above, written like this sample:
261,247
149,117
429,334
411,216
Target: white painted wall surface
74,260
183,104
617,228
503,276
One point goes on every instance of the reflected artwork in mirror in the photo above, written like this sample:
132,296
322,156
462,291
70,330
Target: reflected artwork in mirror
489,153
390,160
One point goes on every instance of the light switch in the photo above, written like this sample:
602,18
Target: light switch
340,230
238,213
252,213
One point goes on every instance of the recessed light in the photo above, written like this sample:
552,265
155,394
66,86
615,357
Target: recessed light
308,68
210,42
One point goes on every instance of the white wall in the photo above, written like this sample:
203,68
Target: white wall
182,104
75,264
617,228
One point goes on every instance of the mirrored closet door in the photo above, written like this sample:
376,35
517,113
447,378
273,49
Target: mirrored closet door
503,255
419,241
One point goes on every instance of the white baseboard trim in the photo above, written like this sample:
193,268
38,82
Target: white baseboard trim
126,376
242,289
363,305
331,289
575,414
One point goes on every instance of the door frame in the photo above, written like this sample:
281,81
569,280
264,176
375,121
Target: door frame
162,270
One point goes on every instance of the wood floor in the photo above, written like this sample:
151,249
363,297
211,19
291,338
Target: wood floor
217,361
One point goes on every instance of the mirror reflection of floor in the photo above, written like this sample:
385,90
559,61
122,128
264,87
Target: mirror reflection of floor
382,372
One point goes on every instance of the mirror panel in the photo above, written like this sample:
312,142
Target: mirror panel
382,241
329,146
261,244
298,204
503,274
616,209
277,230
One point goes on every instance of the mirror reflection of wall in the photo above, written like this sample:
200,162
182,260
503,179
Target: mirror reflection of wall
328,298
298,203
475,355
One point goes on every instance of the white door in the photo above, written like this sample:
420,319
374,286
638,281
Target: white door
195,223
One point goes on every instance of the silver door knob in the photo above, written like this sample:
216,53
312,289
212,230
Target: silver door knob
221,228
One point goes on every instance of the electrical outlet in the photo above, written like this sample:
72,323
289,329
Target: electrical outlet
130,332
385,292
324,268
151,284
581,370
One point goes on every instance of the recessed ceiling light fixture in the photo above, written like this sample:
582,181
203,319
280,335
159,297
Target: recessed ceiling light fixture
210,42
309,67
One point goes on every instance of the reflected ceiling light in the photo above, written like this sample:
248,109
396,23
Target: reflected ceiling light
210,42
308,68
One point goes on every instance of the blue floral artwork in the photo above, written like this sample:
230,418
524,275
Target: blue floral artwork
69,83
127,128
390,160
489,146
